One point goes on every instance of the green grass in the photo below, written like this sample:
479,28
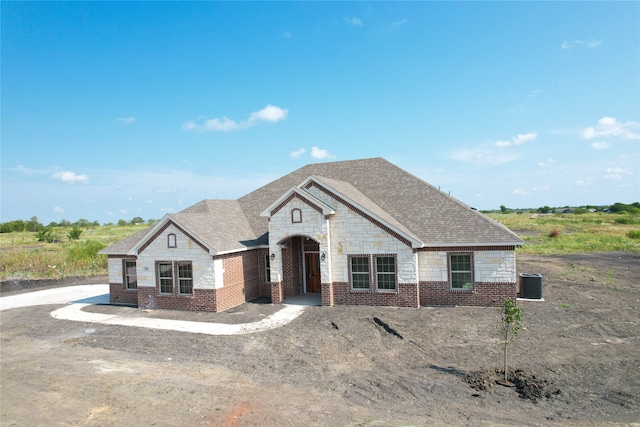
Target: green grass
22,256
573,233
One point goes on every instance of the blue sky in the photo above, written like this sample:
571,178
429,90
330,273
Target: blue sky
112,110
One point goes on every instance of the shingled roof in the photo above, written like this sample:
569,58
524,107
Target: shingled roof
394,195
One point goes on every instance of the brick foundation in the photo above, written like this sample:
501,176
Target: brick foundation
119,295
406,296
201,300
483,294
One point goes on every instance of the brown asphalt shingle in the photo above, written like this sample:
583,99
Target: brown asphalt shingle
394,195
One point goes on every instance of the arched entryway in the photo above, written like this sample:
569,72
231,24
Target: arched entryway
301,266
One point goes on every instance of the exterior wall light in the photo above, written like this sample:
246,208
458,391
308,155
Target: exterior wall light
273,256
323,256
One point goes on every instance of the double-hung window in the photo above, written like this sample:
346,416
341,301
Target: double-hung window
130,275
178,275
461,271
360,276
386,273
267,268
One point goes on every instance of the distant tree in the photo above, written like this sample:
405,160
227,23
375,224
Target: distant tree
82,222
151,221
580,211
122,222
65,223
95,224
137,220
503,209
33,224
545,209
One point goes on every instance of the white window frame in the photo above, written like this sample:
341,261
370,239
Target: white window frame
267,268
177,281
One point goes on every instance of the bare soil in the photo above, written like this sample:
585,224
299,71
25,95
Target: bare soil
577,363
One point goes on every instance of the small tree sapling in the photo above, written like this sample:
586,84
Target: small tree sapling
509,328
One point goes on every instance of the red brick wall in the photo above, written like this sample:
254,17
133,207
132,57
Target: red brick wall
201,300
118,294
243,269
292,268
406,296
483,294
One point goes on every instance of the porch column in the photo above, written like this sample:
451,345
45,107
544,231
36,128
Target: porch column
276,292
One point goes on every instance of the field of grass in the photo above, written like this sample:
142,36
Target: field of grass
23,257
573,233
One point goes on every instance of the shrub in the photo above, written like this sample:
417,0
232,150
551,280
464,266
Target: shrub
47,235
554,233
627,220
74,233
85,252
633,234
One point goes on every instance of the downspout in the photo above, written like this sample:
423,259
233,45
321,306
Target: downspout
417,279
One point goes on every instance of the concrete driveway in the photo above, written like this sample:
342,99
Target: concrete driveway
78,297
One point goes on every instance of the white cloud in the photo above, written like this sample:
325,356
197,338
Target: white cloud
517,140
355,22
397,24
319,153
127,120
270,113
520,192
547,163
616,173
124,211
483,155
58,209
297,153
589,43
600,145
587,181
610,127
70,177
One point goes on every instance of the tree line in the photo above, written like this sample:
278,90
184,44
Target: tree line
34,225
633,208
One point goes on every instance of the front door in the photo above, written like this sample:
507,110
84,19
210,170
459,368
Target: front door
312,269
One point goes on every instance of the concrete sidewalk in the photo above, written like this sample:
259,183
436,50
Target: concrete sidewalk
82,296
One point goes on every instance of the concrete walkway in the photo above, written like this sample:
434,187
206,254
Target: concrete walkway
81,296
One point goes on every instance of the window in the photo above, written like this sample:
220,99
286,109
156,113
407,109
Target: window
360,278
267,268
386,272
296,215
165,277
130,275
179,274
171,241
461,271
185,278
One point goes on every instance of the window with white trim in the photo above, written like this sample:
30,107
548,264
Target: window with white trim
360,273
386,273
130,275
461,267
178,275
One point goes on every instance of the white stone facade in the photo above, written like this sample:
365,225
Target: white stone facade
489,266
204,276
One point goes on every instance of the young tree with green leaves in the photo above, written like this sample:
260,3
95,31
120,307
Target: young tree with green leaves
509,327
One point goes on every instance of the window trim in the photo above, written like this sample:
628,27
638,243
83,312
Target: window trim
452,271
126,275
267,268
179,279
368,273
296,215
172,241
159,278
394,273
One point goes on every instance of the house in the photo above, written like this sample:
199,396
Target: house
356,232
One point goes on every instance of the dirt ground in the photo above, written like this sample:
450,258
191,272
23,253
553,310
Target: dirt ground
338,366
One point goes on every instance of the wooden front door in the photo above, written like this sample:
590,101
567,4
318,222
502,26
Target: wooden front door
312,270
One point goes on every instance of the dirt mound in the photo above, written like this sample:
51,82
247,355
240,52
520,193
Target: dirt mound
526,384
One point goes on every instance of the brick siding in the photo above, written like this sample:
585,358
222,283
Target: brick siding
406,296
489,294
119,295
